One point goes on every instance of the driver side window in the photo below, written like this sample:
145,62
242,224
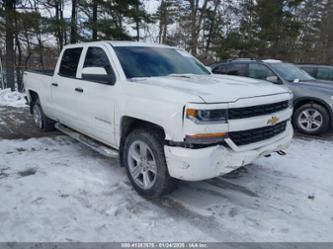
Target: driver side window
96,57
260,71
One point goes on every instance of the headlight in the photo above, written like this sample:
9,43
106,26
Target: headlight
203,116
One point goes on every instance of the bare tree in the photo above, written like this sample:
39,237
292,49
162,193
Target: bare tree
10,55
74,35
197,17
94,19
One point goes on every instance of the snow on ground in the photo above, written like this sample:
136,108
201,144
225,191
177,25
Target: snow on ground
58,190
13,99
54,189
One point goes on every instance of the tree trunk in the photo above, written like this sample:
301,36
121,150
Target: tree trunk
73,23
39,40
19,67
10,55
161,24
29,53
193,42
2,80
165,25
63,23
212,27
59,25
137,21
41,51
94,21
196,23
19,59
330,32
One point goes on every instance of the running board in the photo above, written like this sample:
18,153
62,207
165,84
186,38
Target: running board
91,143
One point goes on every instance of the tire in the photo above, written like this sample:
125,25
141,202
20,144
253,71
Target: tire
149,181
41,120
311,119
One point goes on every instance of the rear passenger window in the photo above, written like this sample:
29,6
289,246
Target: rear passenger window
221,69
69,62
309,70
96,57
239,69
259,71
325,74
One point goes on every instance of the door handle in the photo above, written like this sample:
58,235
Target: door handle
54,84
80,90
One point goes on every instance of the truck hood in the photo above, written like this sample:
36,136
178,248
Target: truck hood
215,88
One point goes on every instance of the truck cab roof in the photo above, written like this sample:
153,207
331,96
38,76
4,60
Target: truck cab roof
118,44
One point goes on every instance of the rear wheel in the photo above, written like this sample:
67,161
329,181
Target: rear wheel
145,163
311,119
41,120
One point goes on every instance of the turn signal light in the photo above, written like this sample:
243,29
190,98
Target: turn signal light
209,135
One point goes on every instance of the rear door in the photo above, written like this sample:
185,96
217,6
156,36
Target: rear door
64,95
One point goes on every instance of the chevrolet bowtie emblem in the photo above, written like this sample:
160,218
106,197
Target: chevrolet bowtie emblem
273,121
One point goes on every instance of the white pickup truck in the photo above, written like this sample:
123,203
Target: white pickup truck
161,111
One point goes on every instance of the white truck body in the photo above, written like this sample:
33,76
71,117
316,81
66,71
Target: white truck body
99,111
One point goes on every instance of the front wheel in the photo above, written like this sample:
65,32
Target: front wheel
312,119
146,165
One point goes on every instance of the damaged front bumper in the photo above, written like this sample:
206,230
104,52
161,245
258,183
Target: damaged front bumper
205,163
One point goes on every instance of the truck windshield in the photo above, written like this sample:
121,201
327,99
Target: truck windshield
157,61
290,72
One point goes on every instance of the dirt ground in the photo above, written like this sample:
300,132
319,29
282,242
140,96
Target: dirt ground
18,123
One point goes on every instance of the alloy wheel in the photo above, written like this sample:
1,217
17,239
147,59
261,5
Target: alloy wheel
310,120
142,164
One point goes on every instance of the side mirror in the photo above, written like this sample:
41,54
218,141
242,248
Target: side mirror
273,79
98,74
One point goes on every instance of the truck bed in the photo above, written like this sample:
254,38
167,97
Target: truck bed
39,81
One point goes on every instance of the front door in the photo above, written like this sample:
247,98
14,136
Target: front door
97,102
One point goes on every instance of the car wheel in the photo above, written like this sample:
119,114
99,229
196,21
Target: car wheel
145,163
41,120
312,119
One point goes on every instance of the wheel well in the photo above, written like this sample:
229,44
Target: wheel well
128,124
33,98
312,101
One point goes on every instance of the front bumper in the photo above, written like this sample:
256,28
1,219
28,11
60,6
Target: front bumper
201,164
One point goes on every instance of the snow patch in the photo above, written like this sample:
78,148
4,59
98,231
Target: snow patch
12,99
